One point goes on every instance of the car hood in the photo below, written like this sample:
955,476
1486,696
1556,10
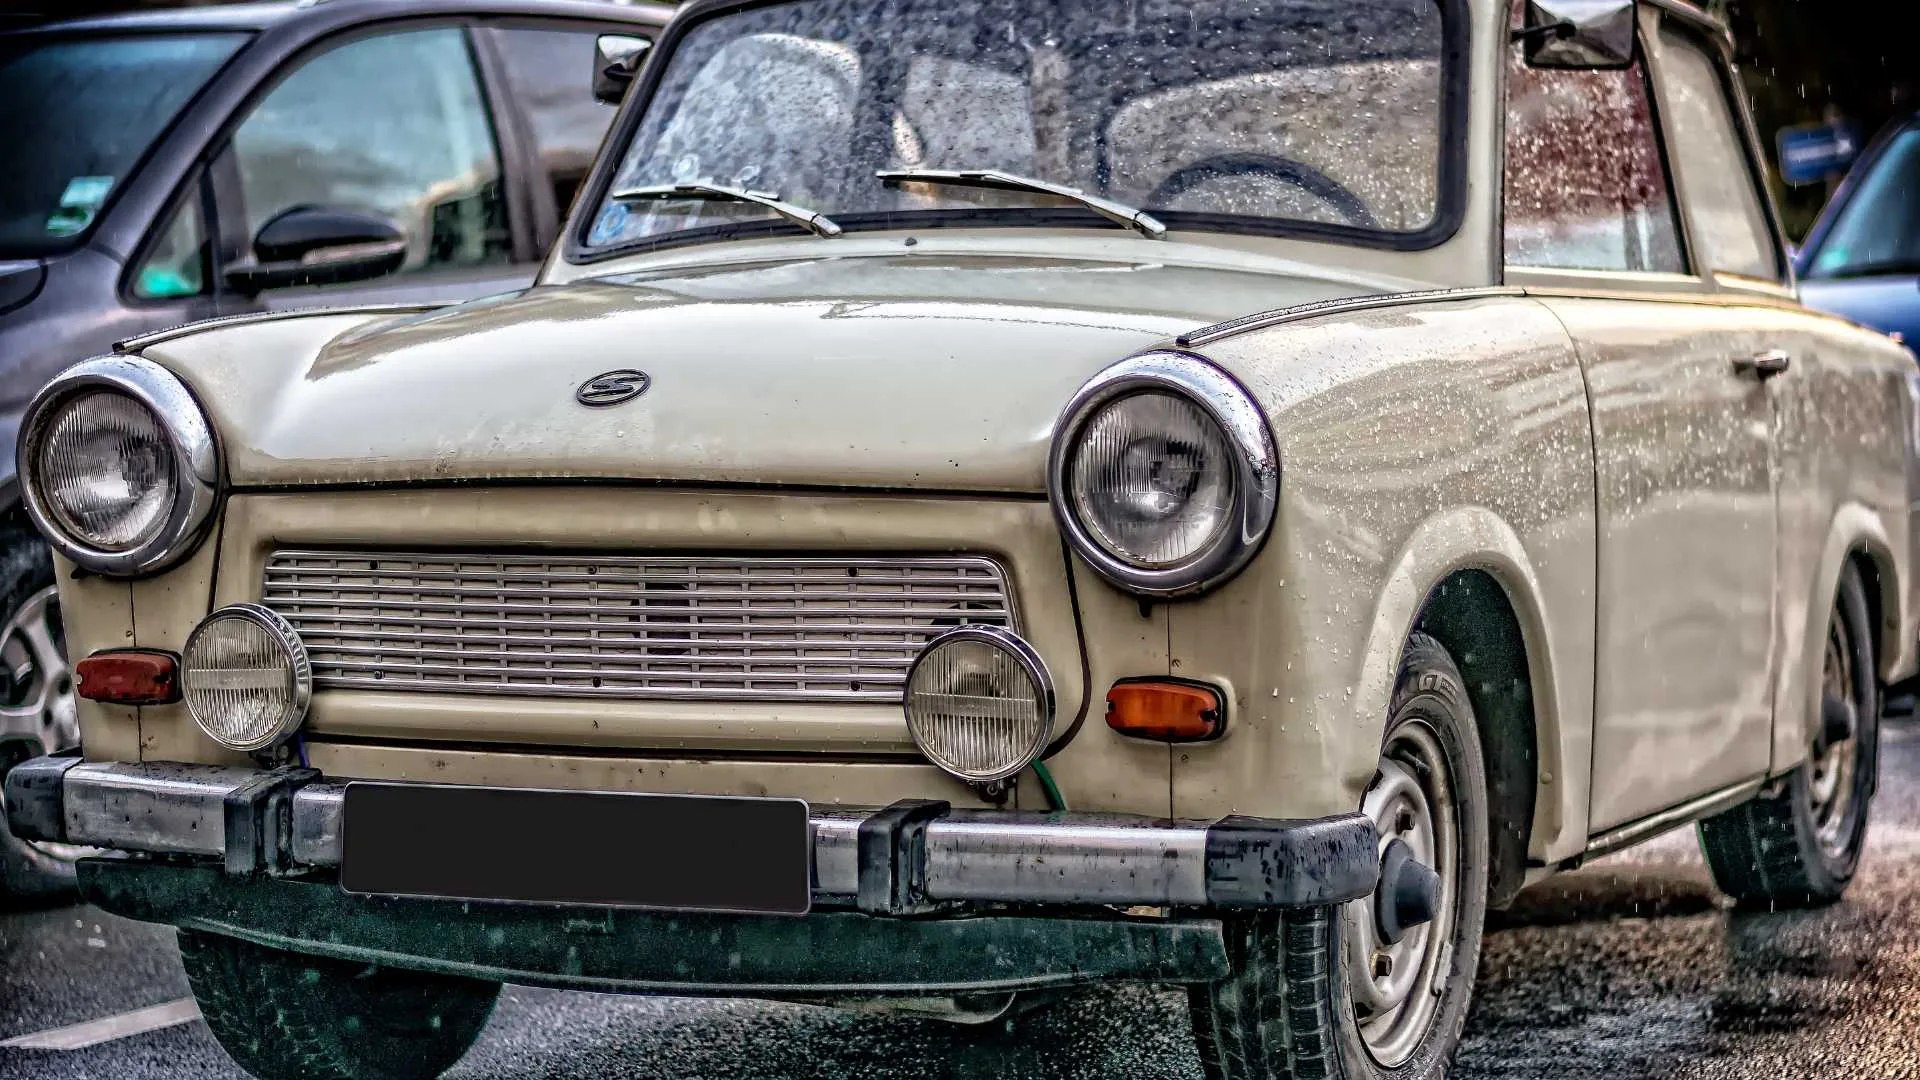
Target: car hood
914,372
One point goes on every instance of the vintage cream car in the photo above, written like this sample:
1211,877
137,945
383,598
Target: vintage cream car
996,497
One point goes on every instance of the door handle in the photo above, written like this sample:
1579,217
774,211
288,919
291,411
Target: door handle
1765,365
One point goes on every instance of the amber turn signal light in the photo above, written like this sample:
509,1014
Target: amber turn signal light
129,677
1165,710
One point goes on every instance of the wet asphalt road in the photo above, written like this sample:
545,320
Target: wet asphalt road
1633,967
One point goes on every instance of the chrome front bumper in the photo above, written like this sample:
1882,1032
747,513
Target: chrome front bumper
895,860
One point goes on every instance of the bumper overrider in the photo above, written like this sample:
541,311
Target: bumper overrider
917,896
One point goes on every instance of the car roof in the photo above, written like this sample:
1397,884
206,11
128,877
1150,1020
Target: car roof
260,16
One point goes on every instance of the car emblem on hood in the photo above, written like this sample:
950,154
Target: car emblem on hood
612,388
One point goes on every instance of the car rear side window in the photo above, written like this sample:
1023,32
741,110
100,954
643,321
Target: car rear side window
1729,213
393,125
547,74
1586,186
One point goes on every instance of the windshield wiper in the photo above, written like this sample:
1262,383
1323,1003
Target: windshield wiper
812,220
1118,213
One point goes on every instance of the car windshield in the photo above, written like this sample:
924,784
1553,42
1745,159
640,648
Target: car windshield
1278,116
1878,230
80,113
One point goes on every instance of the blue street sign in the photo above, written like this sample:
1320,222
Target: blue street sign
1810,153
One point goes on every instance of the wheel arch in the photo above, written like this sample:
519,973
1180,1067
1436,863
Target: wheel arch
1471,614
1856,537
1465,578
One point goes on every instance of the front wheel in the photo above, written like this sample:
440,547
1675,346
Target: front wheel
1344,993
284,1016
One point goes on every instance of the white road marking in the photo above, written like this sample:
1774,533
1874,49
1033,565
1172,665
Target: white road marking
108,1028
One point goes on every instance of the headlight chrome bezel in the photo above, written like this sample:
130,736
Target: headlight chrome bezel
1034,668
1255,470
299,665
189,437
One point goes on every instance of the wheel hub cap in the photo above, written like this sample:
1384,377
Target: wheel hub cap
1396,985
1835,760
39,701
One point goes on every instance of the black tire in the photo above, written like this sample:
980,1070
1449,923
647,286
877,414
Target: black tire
1286,1011
1770,850
28,874
285,1016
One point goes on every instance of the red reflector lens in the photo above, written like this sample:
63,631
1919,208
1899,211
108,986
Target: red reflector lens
1172,711
129,677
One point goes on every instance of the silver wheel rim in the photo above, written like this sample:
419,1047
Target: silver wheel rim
1831,786
40,702
1396,989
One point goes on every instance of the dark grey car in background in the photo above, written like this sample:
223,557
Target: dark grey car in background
172,166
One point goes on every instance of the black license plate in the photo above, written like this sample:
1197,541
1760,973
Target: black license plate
679,852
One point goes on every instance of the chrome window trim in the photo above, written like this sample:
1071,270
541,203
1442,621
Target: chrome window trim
1029,660
1256,488
284,636
196,462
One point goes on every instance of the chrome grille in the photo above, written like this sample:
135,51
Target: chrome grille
683,628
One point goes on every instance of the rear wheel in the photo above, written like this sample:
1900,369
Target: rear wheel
285,1016
1801,845
1351,993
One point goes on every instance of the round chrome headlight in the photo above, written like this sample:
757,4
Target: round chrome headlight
979,703
1163,474
117,466
245,677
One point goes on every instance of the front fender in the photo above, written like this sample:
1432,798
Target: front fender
1415,440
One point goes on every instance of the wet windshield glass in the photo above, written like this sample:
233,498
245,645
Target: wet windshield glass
1217,114
79,115
1878,232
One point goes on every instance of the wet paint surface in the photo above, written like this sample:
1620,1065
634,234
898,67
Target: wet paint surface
1634,967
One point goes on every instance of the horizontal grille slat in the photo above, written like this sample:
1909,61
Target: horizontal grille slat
614,607
673,628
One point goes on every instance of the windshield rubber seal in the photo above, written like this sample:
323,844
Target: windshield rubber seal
1450,202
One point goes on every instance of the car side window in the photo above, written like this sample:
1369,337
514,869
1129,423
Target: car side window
546,72
175,265
394,125
1587,187
1735,234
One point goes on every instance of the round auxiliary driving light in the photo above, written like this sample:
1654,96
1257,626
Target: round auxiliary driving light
979,703
245,677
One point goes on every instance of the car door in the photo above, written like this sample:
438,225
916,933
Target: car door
1682,443
1830,382
395,123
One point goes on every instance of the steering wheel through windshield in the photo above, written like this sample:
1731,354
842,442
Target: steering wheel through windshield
1300,175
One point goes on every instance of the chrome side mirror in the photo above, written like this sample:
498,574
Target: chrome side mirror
1578,33
616,57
